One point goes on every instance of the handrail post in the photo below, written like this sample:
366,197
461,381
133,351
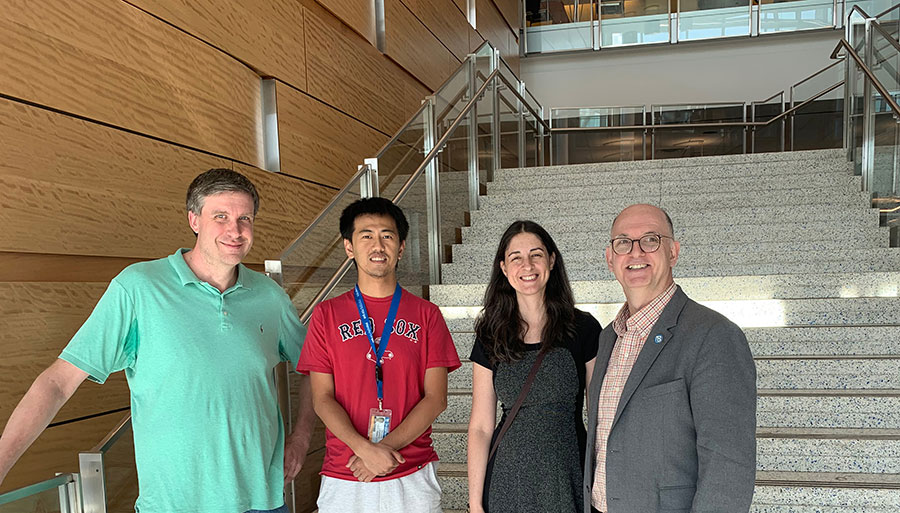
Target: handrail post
868,142
540,141
432,197
70,495
495,123
474,179
521,116
849,92
93,481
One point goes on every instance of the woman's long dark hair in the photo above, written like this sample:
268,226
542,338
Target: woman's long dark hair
500,327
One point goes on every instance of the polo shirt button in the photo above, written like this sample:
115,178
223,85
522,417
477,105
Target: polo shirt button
225,313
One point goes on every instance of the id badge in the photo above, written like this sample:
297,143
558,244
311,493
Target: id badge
379,424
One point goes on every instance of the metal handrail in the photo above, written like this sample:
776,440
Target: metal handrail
519,96
296,242
814,75
887,36
36,488
438,147
763,102
755,124
113,436
865,69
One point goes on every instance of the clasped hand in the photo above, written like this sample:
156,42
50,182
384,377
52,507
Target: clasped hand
374,460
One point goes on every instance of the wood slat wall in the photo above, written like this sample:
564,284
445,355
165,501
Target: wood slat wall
110,61
109,108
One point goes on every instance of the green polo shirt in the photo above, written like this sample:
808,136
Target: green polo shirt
208,432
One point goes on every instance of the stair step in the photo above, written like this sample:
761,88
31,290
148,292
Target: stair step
807,343
808,286
776,491
875,409
865,311
588,235
857,373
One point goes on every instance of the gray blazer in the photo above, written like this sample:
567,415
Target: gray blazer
684,435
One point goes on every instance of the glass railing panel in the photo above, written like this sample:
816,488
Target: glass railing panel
819,124
702,140
794,15
50,496
485,124
453,180
121,474
710,19
531,142
599,146
451,98
509,128
855,31
768,138
398,160
872,7
558,26
413,270
634,23
885,180
307,267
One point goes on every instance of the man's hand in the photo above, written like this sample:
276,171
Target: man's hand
379,458
360,471
295,449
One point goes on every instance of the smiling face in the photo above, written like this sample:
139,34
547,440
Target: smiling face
376,247
526,264
224,229
643,276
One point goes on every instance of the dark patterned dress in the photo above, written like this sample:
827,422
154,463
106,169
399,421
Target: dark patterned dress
538,465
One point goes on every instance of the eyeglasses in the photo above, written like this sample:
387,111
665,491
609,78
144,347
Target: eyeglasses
649,243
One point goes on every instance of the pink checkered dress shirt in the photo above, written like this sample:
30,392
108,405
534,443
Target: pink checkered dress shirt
632,331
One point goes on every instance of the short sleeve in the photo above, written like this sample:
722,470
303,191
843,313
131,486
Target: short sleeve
441,350
107,341
315,357
292,332
478,355
587,338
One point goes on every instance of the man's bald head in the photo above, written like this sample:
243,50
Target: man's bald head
645,209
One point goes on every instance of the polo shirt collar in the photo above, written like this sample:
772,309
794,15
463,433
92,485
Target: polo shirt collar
186,275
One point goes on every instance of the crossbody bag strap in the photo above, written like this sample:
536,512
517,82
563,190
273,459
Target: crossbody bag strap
518,404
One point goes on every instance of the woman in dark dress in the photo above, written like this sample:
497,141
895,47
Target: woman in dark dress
529,308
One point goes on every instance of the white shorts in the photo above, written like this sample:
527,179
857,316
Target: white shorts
416,492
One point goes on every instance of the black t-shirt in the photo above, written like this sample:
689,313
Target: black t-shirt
583,347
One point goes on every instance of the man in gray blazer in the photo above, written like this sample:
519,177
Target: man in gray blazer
672,398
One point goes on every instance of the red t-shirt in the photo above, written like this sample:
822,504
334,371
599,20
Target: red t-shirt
337,344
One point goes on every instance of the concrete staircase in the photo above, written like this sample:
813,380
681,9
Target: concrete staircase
785,245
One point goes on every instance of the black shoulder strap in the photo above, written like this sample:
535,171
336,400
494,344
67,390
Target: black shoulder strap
518,404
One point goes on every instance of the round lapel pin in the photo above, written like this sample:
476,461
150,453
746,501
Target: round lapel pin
658,339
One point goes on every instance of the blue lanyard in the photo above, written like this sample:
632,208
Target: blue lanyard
385,334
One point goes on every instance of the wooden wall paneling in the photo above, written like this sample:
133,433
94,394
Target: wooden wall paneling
475,39
56,450
511,12
463,6
306,485
109,61
445,20
55,163
39,267
492,26
267,36
319,143
44,217
347,72
356,14
50,147
410,44
39,319
512,53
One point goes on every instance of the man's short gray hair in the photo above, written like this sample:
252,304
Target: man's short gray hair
215,181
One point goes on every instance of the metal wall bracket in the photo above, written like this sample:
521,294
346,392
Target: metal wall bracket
93,482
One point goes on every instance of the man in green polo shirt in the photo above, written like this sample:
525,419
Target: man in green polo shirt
198,335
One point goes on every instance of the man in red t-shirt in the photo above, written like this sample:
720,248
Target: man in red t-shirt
378,390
